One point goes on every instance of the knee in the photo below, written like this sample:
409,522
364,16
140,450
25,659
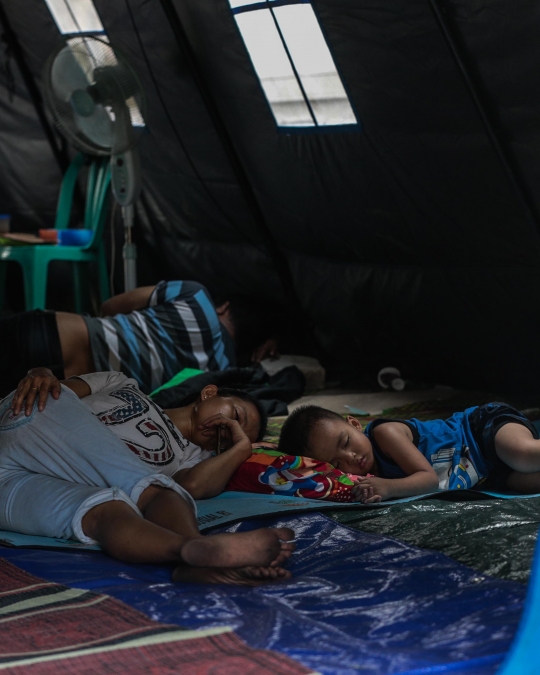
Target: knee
149,495
525,457
101,518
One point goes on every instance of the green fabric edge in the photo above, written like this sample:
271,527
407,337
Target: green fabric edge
182,376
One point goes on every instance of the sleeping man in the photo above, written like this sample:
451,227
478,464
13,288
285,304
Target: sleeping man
98,461
150,334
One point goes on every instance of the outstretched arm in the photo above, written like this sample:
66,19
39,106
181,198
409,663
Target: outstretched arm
395,440
39,382
209,477
124,303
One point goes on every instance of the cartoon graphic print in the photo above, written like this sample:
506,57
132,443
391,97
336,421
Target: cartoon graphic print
269,472
134,406
454,468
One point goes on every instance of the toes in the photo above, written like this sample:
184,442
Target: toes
245,576
282,557
284,533
266,573
288,548
284,554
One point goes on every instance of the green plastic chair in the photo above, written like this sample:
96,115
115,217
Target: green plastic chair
34,259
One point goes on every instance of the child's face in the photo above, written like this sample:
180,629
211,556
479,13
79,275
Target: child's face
343,444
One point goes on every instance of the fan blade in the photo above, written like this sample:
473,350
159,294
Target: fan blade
99,127
67,75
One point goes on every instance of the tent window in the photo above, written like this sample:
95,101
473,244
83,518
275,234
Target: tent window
293,63
75,16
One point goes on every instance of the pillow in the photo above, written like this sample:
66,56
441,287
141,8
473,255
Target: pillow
269,472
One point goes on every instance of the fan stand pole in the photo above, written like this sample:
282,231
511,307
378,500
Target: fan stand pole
129,251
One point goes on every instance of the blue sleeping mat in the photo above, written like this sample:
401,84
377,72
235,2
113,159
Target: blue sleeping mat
358,602
230,507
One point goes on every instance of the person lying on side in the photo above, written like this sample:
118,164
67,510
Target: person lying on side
492,446
98,461
150,334
181,442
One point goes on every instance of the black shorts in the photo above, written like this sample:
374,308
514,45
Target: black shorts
28,340
485,422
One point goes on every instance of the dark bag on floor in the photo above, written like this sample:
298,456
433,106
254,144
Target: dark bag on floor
273,392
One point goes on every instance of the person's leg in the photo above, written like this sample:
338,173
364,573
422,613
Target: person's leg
258,547
518,449
46,506
83,459
168,533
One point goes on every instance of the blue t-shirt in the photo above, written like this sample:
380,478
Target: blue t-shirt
178,329
448,445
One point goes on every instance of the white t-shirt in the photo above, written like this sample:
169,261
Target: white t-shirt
141,424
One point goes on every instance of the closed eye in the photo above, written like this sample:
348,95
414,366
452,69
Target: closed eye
347,441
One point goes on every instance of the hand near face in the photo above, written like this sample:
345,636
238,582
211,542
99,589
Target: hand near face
230,431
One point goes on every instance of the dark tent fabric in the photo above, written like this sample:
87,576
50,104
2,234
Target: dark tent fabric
30,175
411,240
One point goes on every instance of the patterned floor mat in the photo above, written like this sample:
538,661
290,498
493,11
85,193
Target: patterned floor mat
51,629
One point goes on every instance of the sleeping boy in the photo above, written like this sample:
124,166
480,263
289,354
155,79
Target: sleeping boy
493,446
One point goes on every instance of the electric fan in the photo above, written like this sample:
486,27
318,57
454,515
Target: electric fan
97,103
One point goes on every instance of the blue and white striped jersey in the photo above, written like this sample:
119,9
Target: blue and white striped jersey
179,329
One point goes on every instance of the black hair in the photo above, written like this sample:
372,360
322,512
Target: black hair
294,438
254,322
243,396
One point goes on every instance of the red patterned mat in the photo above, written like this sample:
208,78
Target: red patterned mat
49,629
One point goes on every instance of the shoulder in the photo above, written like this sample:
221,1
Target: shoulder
172,291
391,430
105,380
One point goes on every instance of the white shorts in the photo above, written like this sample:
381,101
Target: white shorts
57,464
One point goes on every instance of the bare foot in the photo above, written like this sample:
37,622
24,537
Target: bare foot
259,548
243,576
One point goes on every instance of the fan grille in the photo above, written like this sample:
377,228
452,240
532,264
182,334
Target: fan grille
102,70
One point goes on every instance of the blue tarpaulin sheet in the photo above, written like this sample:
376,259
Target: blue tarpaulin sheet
358,602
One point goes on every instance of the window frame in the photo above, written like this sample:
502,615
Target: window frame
315,128
81,33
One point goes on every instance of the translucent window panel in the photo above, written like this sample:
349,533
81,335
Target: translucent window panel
240,3
274,69
314,64
75,16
